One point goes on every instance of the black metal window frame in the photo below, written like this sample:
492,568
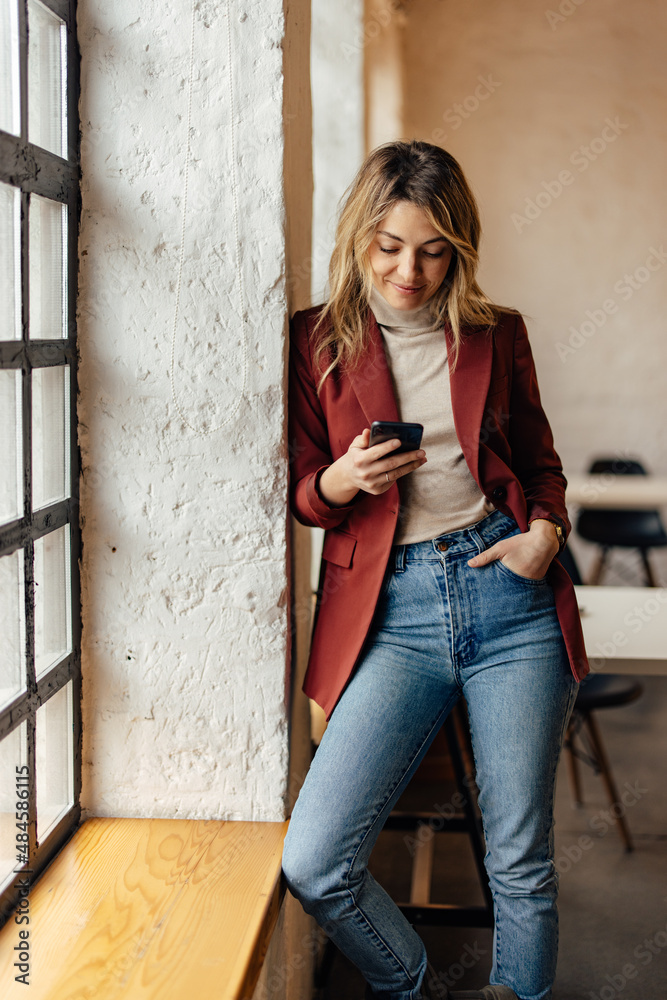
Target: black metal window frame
36,171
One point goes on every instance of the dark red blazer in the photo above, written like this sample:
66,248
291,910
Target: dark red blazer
506,441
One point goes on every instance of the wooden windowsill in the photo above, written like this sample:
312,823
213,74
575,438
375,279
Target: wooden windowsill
157,909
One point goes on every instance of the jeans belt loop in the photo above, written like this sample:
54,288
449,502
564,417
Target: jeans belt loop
399,558
479,540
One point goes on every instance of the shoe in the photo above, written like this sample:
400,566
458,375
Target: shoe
488,993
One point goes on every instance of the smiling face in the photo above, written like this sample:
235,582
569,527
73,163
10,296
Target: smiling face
408,257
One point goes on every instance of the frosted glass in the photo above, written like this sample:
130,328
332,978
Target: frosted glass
13,759
11,446
10,115
12,626
46,75
48,290
54,760
53,628
50,433
10,263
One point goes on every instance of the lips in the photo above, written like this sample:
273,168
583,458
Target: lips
406,289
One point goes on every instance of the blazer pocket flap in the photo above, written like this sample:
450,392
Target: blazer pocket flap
497,385
338,548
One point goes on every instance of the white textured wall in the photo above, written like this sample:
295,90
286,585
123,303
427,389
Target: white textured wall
521,92
185,638
337,81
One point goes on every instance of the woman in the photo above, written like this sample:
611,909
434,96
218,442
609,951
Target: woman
439,570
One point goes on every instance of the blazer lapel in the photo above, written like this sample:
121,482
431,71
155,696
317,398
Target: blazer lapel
469,385
371,380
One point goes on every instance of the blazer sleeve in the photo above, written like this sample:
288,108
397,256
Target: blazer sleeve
309,449
534,459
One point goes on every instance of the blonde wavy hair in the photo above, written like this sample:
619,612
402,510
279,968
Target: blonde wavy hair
431,178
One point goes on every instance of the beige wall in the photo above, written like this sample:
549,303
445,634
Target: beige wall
536,88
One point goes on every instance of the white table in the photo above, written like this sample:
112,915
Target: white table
611,491
625,628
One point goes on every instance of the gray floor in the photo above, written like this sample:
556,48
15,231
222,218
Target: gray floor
613,905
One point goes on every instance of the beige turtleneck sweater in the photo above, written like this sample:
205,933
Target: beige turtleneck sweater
442,495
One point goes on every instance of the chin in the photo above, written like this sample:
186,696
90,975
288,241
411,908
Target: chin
402,301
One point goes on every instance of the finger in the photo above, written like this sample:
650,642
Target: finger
361,440
379,451
485,557
391,475
395,462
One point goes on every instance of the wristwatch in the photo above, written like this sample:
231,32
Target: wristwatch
558,527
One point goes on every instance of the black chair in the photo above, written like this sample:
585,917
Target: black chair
634,529
582,740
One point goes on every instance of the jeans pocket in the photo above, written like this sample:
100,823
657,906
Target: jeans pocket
517,576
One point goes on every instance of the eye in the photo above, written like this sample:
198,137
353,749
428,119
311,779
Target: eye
389,249
427,254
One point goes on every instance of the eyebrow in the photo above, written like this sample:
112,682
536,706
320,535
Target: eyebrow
436,239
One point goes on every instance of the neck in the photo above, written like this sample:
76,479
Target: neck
401,320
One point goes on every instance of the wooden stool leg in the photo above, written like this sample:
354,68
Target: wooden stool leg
608,778
573,767
422,866
598,566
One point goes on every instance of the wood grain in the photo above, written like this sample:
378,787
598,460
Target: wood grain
151,908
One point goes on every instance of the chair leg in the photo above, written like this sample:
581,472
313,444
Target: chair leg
573,768
608,778
650,576
598,566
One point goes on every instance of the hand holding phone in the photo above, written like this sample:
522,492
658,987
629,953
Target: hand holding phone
373,464
410,435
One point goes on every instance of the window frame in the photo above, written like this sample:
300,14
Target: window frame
37,171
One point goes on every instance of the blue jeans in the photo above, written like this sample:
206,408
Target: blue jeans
442,629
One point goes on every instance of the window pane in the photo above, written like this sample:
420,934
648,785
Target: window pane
46,92
48,299
10,116
12,626
53,631
13,774
50,435
11,446
10,267
54,760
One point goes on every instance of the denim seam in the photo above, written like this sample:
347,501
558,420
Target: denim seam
455,665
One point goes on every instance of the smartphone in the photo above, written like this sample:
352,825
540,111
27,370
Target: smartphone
410,435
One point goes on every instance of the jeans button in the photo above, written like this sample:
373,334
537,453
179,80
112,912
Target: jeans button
443,546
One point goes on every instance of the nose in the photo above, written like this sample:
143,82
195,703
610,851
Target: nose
408,267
